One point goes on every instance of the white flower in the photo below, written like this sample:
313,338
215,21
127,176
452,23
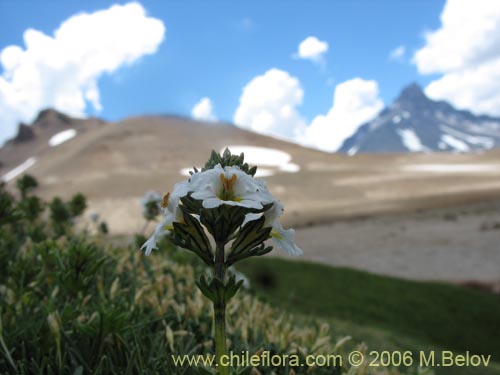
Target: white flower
171,212
171,200
230,186
162,229
150,196
281,237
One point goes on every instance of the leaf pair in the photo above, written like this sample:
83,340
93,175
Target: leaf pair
250,241
215,289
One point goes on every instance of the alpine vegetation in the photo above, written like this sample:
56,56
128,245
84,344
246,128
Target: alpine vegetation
223,214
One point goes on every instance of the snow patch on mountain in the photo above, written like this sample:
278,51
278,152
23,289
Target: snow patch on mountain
411,140
21,168
62,137
455,143
485,142
266,157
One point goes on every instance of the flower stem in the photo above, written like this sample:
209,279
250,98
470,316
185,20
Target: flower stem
220,311
219,261
220,336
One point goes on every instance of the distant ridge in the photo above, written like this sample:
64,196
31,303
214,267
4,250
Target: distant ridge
415,123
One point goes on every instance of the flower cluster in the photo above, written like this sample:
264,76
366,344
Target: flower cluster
223,214
225,200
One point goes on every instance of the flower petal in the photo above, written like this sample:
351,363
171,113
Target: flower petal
212,202
160,231
284,238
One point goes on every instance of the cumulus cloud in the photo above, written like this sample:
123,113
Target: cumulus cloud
312,48
62,70
397,53
465,50
355,102
203,110
269,105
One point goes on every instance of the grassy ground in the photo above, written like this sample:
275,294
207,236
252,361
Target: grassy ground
386,313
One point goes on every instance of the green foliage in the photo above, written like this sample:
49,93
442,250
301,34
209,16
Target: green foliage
413,315
71,304
59,212
31,207
26,184
60,216
7,206
77,205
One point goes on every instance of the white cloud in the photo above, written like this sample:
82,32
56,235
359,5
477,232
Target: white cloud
397,53
312,48
355,102
269,104
465,50
203,110
62,70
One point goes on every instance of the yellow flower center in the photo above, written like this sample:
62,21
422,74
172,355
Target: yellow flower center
276,234
227,193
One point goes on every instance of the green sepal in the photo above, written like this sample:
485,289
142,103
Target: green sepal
229,160
190,235
223,221
191,205
250,240
260,250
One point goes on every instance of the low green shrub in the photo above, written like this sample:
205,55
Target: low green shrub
70,303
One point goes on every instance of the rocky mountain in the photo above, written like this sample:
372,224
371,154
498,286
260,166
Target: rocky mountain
49,129
415,123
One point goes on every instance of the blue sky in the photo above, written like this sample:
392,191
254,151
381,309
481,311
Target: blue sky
214,49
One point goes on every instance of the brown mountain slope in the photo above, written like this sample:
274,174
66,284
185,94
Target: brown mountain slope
115,163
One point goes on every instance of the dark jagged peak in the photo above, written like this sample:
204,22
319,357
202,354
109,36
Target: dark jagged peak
25,133
50,116
416,123
411,93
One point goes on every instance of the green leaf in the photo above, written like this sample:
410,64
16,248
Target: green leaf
216,291
205,288
231,288
251,235
229,160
